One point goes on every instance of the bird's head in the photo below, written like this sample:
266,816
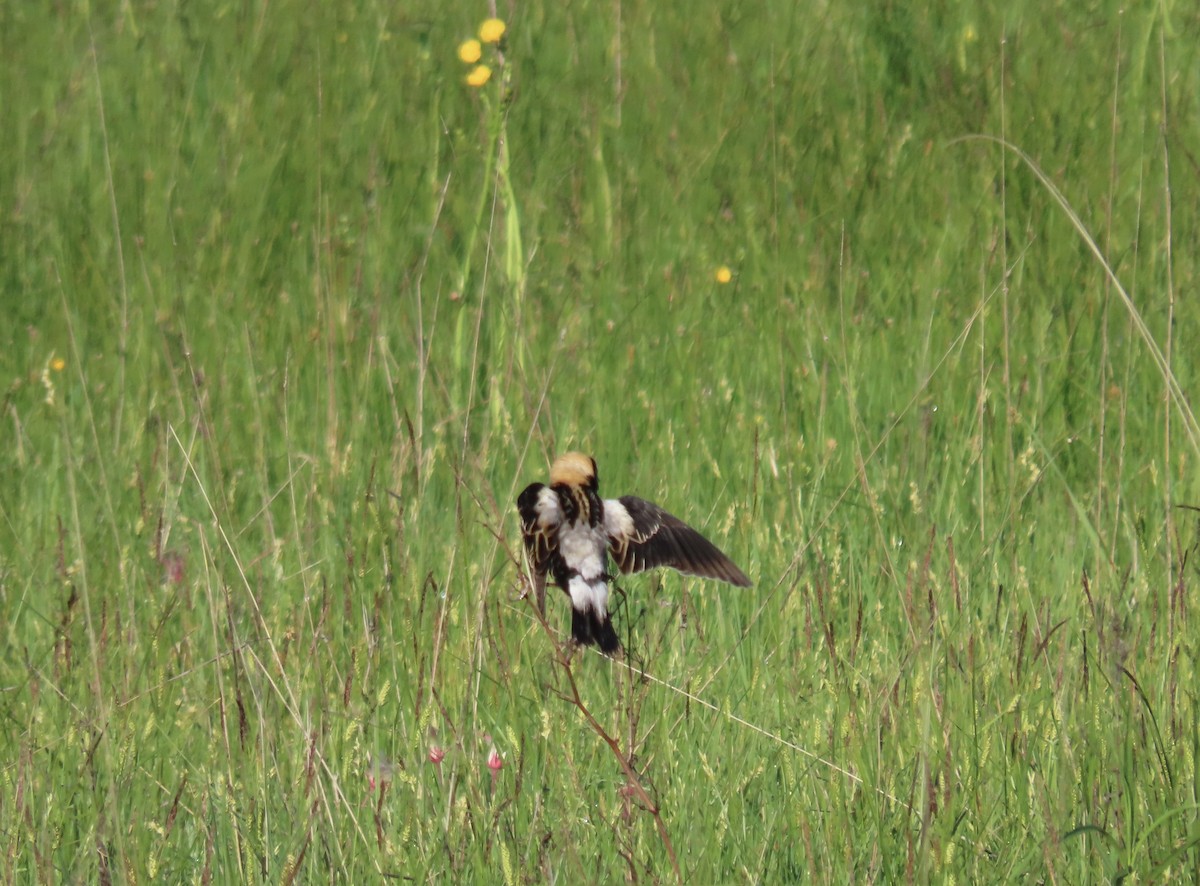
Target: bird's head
574,469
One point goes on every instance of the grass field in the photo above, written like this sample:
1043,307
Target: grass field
293,312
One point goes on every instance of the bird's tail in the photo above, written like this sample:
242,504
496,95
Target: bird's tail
590,627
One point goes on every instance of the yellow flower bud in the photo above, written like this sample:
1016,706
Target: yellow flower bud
479,75
469,51
491,30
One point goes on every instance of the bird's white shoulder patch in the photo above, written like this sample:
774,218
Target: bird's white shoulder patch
549,510
617,522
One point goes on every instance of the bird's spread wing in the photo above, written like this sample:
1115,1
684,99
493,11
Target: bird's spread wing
541,515
641,535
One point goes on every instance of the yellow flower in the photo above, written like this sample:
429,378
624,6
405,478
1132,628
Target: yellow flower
491,30
469,51
58,364
479,75
723,274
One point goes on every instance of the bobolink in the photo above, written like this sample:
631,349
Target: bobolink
569,532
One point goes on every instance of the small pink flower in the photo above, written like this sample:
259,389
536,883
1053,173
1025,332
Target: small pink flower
436,755
379,772
495,761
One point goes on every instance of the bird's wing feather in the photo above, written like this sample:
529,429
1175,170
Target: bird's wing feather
541,515
641,535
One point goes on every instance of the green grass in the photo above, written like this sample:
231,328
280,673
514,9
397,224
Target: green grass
322,310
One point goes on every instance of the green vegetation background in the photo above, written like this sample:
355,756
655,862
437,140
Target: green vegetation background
291,313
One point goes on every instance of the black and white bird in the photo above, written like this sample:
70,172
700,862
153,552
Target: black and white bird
569,532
